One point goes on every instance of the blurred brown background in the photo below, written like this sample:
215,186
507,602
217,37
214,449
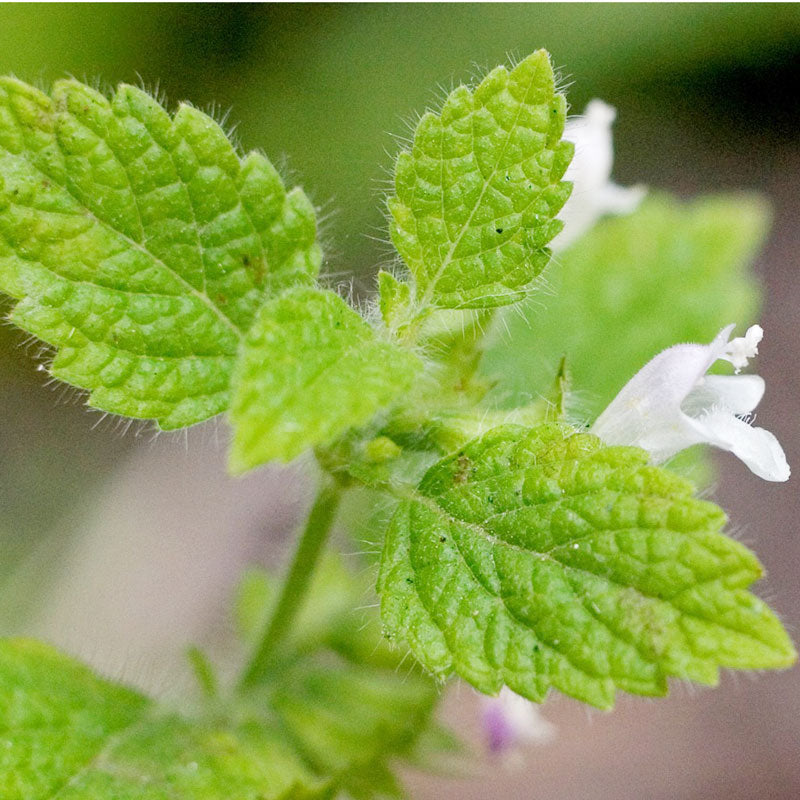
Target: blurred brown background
123,548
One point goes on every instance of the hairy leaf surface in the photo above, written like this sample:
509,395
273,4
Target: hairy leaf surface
310,368
477,195
140,245
538,558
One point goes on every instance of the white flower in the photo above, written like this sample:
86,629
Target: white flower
671,404
509,720
593,193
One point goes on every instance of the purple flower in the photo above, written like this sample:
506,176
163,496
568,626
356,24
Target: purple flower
510,720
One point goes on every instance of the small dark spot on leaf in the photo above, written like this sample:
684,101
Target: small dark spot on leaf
246,260
221,299
499,230
409,580
442,538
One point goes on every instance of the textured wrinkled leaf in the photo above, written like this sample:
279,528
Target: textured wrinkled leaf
540,558
68,734
477,195
140,245
670,272
310,368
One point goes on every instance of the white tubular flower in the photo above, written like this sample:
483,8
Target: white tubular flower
509,720
593,194
671,404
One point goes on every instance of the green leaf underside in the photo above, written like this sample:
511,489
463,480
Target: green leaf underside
477,195
140,245
309,369
330,726
633,286
539,558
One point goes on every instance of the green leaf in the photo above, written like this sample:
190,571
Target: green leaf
670,272
309,369
476,197
395,300
140,245
71,735
324,726
538,558
349,720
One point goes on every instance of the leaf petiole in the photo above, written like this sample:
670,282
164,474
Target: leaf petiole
312,542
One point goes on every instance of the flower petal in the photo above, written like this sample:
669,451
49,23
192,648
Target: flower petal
744,347
510,720
593,194
757,447
737,393
650,402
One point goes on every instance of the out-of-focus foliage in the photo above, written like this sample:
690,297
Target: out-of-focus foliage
670,272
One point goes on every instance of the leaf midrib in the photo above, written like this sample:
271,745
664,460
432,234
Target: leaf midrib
428,294
106,748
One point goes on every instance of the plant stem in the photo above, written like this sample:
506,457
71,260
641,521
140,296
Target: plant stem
319,523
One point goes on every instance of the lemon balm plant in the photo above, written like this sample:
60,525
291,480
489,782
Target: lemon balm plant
529,547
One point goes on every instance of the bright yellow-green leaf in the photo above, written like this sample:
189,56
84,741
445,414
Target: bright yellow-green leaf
539,558
477,194
140,245
310,368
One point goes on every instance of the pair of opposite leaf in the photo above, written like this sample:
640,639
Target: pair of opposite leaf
161,267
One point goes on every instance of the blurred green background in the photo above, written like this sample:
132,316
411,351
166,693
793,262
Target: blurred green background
706,95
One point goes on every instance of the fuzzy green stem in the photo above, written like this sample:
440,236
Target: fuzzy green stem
295,586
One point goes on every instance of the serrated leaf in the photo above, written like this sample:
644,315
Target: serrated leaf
140,245
538,558
633,286
68,734
310,368
477,195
